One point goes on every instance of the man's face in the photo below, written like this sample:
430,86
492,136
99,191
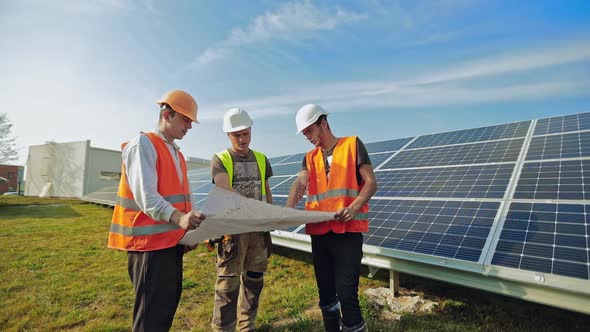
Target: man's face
314,133
177,126
240,141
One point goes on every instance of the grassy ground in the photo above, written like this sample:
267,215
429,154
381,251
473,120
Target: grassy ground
57,274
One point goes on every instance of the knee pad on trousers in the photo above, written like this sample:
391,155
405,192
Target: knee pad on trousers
254,275
253,285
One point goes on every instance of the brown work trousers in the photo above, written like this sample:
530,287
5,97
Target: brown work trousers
236,293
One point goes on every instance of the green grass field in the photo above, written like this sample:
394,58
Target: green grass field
57,274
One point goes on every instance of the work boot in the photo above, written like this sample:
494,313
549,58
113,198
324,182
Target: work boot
360,327
331,316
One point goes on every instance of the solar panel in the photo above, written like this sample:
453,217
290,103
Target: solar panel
199,201
387,146
451,229
294,158
287,169
378,158
548,238
511,130
281,185
562,124
201,187
104,195
477,153
282,201
199,171
277,160
200,177
555,180
489,181
572,145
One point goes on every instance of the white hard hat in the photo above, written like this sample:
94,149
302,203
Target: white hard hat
236,119
307,115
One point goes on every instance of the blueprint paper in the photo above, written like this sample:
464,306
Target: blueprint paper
227,212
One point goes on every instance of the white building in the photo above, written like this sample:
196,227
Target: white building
71,169
76,169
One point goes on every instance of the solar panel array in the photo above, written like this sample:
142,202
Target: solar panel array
511,197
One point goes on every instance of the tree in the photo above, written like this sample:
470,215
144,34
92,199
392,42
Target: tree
7,149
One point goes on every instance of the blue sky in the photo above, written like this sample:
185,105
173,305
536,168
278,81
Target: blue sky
77,70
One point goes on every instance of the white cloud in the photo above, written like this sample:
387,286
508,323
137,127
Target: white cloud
557,54
403,97
210,55
423,96
447,87
291,22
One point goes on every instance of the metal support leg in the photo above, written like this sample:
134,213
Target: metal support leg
394,282
372,271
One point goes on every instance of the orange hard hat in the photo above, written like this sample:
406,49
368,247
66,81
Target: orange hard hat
181,102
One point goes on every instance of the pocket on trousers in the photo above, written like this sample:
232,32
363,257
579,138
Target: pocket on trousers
226,252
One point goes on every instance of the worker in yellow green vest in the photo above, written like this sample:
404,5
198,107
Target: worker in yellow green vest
243,259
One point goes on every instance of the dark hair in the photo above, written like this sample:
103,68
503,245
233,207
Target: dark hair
166,108
318,122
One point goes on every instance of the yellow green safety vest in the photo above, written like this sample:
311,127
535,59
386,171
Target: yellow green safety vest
227,162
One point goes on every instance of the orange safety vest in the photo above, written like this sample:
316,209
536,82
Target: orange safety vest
336,193
132,229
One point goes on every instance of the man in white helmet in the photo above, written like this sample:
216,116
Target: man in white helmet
153,212
337,176
241,261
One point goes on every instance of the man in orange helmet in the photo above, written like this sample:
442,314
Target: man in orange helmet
338,177
153,212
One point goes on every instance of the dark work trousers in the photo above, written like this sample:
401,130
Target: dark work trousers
157,280
337,264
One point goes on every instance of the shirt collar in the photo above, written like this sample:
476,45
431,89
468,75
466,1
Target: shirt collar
176,147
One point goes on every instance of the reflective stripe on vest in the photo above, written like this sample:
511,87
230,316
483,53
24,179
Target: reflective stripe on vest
132,229
336,192
227,162
130,204
145,230
333,193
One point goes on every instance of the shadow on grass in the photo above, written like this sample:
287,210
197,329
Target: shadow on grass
382,275
57,211
7,201
299,325
291,253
